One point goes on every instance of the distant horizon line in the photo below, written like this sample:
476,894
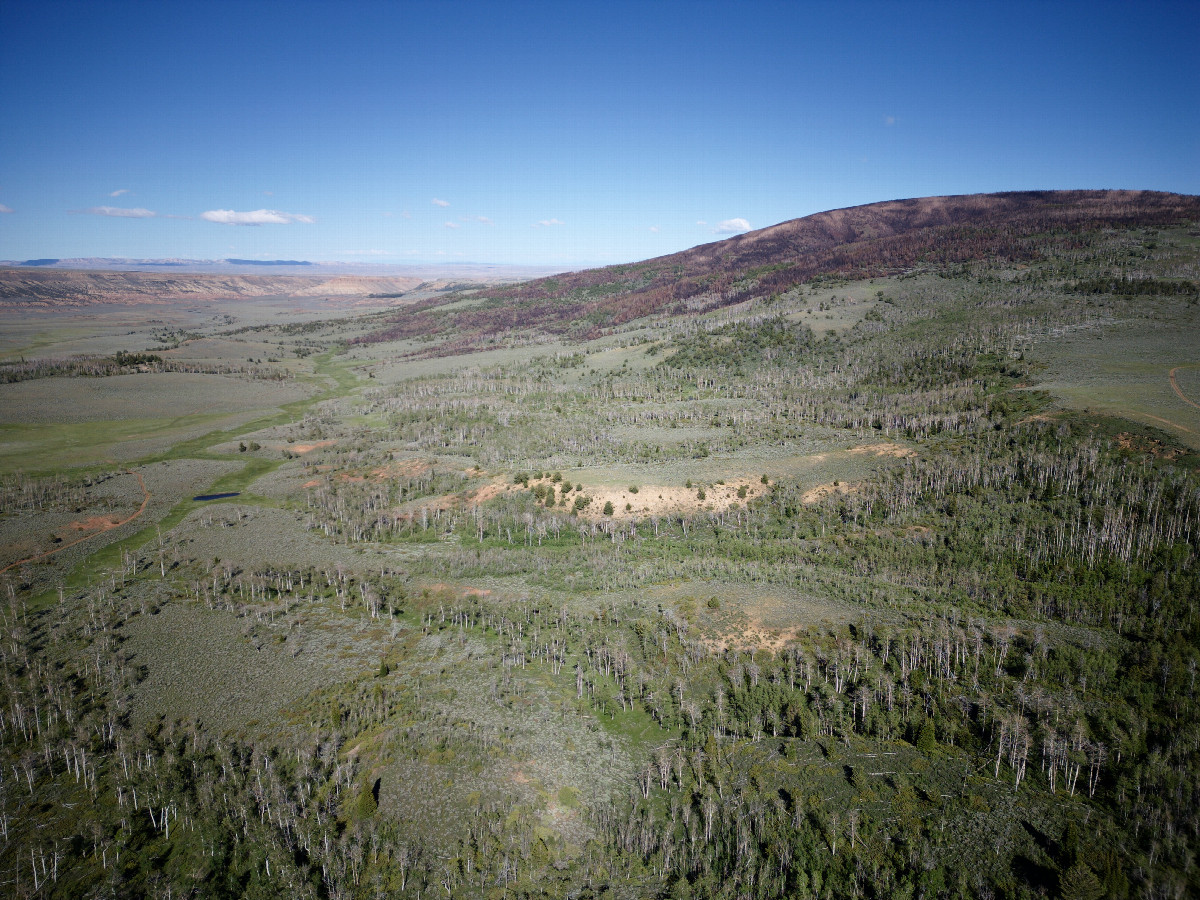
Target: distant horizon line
36,262
181,262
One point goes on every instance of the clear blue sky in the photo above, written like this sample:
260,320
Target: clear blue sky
559,133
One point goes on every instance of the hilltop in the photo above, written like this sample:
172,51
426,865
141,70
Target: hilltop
875,240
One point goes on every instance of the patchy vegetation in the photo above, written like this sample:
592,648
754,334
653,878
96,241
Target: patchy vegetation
821,588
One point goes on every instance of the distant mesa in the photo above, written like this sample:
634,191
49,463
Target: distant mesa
39,262
268,262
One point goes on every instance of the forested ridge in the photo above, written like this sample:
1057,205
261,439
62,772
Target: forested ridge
973,673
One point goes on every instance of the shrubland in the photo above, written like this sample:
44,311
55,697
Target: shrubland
716,602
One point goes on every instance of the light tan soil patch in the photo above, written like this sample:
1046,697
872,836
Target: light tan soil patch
821,491
408,468
108,525
94,523
884,449
491,491
1155,448
658,500
305,448
756,637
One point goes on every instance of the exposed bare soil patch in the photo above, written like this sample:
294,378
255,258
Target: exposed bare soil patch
95,525
1141,444
897,451
305,448
821,491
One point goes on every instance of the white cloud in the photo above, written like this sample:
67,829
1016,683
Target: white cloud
443,203
547,223
889,120
452,225
5,209
701,222
654,229
256,217
119,192
118,212
484,220
732,226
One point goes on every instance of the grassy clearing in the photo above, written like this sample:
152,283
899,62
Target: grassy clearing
200,663
1124,370
170,397
47,449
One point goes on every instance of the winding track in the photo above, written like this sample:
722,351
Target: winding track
1178,390
141,509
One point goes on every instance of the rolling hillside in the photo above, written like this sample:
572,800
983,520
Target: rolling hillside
858,242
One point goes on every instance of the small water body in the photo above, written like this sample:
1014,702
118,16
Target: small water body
216,496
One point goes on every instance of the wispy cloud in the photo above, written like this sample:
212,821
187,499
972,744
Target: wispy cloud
732,226
452,225
654,229
117,212
889,120
701,222
484,220
255,217
5,209
443,203
547,223
119,192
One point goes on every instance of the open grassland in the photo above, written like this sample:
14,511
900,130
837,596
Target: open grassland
201,664
171,396
1126,370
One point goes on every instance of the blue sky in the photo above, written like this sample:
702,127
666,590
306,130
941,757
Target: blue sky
559,133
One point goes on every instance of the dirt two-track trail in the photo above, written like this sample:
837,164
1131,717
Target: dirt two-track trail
1178,390
107,527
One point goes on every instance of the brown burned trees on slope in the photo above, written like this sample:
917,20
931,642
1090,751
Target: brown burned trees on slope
865,241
